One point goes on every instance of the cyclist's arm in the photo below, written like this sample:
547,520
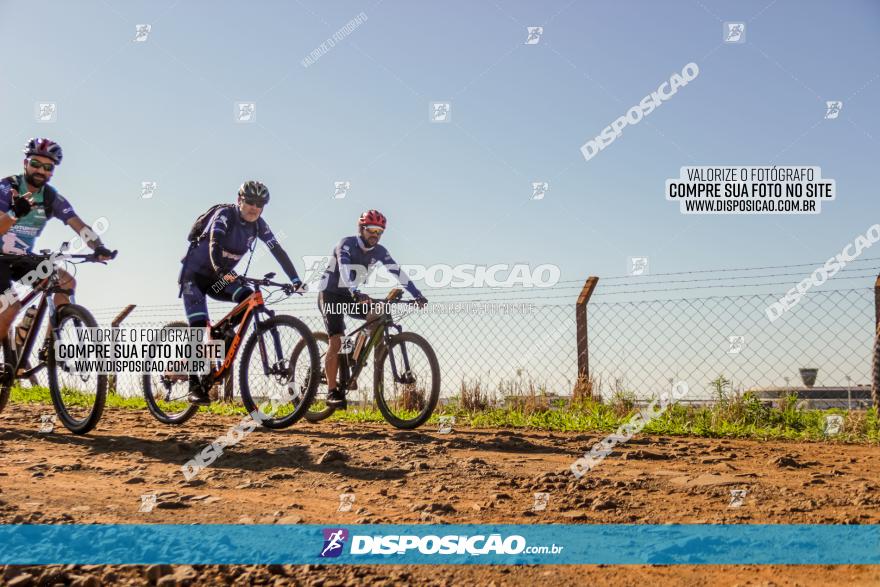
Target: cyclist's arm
343,262
6,221
401,275
216,234
278,252
84,231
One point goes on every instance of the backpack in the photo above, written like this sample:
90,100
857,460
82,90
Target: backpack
201,223
49,194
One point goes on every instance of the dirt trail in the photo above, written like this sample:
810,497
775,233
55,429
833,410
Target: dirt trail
467,477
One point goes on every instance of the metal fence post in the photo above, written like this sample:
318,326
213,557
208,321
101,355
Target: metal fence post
580,313
875,380
111,379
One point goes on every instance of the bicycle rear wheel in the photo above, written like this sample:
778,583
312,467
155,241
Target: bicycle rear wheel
406,380
7,360
274,390
78,397
166,393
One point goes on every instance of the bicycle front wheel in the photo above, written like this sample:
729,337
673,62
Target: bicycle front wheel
406,380
166,393
319,408
276,390
78,397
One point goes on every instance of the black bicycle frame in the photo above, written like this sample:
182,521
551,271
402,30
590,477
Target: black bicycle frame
46,303
379,333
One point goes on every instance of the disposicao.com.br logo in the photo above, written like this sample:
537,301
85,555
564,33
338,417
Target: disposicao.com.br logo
391,544
334,541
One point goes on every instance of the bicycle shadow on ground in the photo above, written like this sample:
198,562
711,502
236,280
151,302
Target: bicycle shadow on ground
478,440
239,457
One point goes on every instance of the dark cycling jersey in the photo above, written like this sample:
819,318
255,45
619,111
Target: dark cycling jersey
352,261
226,239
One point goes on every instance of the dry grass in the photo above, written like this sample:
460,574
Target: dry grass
473,398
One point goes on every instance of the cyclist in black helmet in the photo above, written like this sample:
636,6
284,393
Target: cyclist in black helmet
229,232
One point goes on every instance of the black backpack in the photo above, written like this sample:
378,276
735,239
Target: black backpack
49,194
201,223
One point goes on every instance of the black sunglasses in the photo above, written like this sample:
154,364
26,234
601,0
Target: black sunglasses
254,202
50,167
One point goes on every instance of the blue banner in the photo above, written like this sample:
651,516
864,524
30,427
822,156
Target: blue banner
441,544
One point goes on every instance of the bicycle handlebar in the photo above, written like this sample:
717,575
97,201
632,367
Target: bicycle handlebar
266,282
57,255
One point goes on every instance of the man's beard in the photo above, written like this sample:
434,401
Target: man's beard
35,180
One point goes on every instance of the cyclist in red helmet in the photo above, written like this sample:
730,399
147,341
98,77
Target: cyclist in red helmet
352,259
27,201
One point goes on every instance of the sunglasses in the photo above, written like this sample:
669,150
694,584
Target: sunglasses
375,231
254,202
50,167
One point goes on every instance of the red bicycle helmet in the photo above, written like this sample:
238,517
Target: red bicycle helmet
372,218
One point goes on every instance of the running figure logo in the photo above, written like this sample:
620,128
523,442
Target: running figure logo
638,265
245,112
734,32
341,188
334,540
539,189
148,188
535,33
46,112
141,32
832,109
441,112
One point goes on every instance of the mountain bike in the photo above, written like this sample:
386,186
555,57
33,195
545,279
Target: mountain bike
406,373
269,382
78,398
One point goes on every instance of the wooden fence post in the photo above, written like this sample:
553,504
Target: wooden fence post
580,313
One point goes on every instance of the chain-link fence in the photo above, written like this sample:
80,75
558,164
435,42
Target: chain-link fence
643,335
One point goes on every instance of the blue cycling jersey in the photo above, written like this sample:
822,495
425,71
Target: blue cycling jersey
351,262
226,239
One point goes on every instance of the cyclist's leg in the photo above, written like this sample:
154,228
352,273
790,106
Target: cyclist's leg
334,321
68,284
9,305
196,306
230,292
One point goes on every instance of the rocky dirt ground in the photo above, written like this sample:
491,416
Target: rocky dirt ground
466,477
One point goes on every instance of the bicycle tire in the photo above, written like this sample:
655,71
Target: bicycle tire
378,380
77,426
315,416
312,379
153,406
7,378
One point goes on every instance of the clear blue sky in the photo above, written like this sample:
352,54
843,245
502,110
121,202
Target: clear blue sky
162,110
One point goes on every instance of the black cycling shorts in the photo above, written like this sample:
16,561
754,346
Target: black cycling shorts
333,308
14,270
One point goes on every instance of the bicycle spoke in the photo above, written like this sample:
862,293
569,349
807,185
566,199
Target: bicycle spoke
279,387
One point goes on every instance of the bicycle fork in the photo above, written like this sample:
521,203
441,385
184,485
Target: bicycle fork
406,377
